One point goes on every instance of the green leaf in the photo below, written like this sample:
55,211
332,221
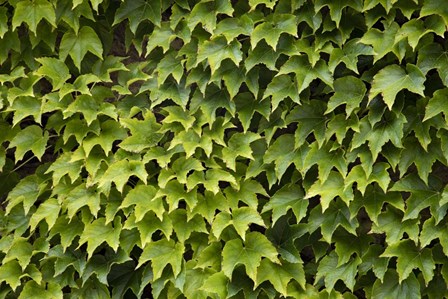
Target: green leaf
20,250
54,69
383,42
161,253
409,257
32,289
79,197
336,8
331,272
349,90
27,191
137,11
437,104
392,79
11,272
119,173
280,88
435,7
97,232
240,218
144,133
328,190
390,222
216,50
30,138
78,44
144,200
275,25
261,54
392,288
216,283
32,12
432,230
433,56
421,195
250,254
336,215
280,275
305,73
48,211
3,21
238,146
288,198
110,132
65,166
206,12
90,108
268,3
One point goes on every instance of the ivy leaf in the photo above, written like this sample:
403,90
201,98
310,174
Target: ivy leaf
90,108
248,254
383,42
310,118
144,133
437,104
390,222
336,8
65,166
32,12
216,283
305,73
288,198
422,196
20,250
54,69
331,272
264,54
50,291
433,56
432,230
390,286
110,132
161,253
240,218
79,197
205,12
30,138
435,7
392,79
48,210
409,257
268,3
275,25
11,273
231,28
280,88
349,55
137,11
328,190
349,90
238,146
280,275
119,173
337,214
77,45
3,21
144,200
216,50
97,232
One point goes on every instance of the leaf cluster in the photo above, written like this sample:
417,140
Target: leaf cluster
223,149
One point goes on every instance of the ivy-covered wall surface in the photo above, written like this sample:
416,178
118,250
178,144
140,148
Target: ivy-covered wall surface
223,149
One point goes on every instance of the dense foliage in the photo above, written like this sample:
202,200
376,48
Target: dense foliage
223,149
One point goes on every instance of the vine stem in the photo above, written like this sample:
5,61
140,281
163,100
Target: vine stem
26,161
